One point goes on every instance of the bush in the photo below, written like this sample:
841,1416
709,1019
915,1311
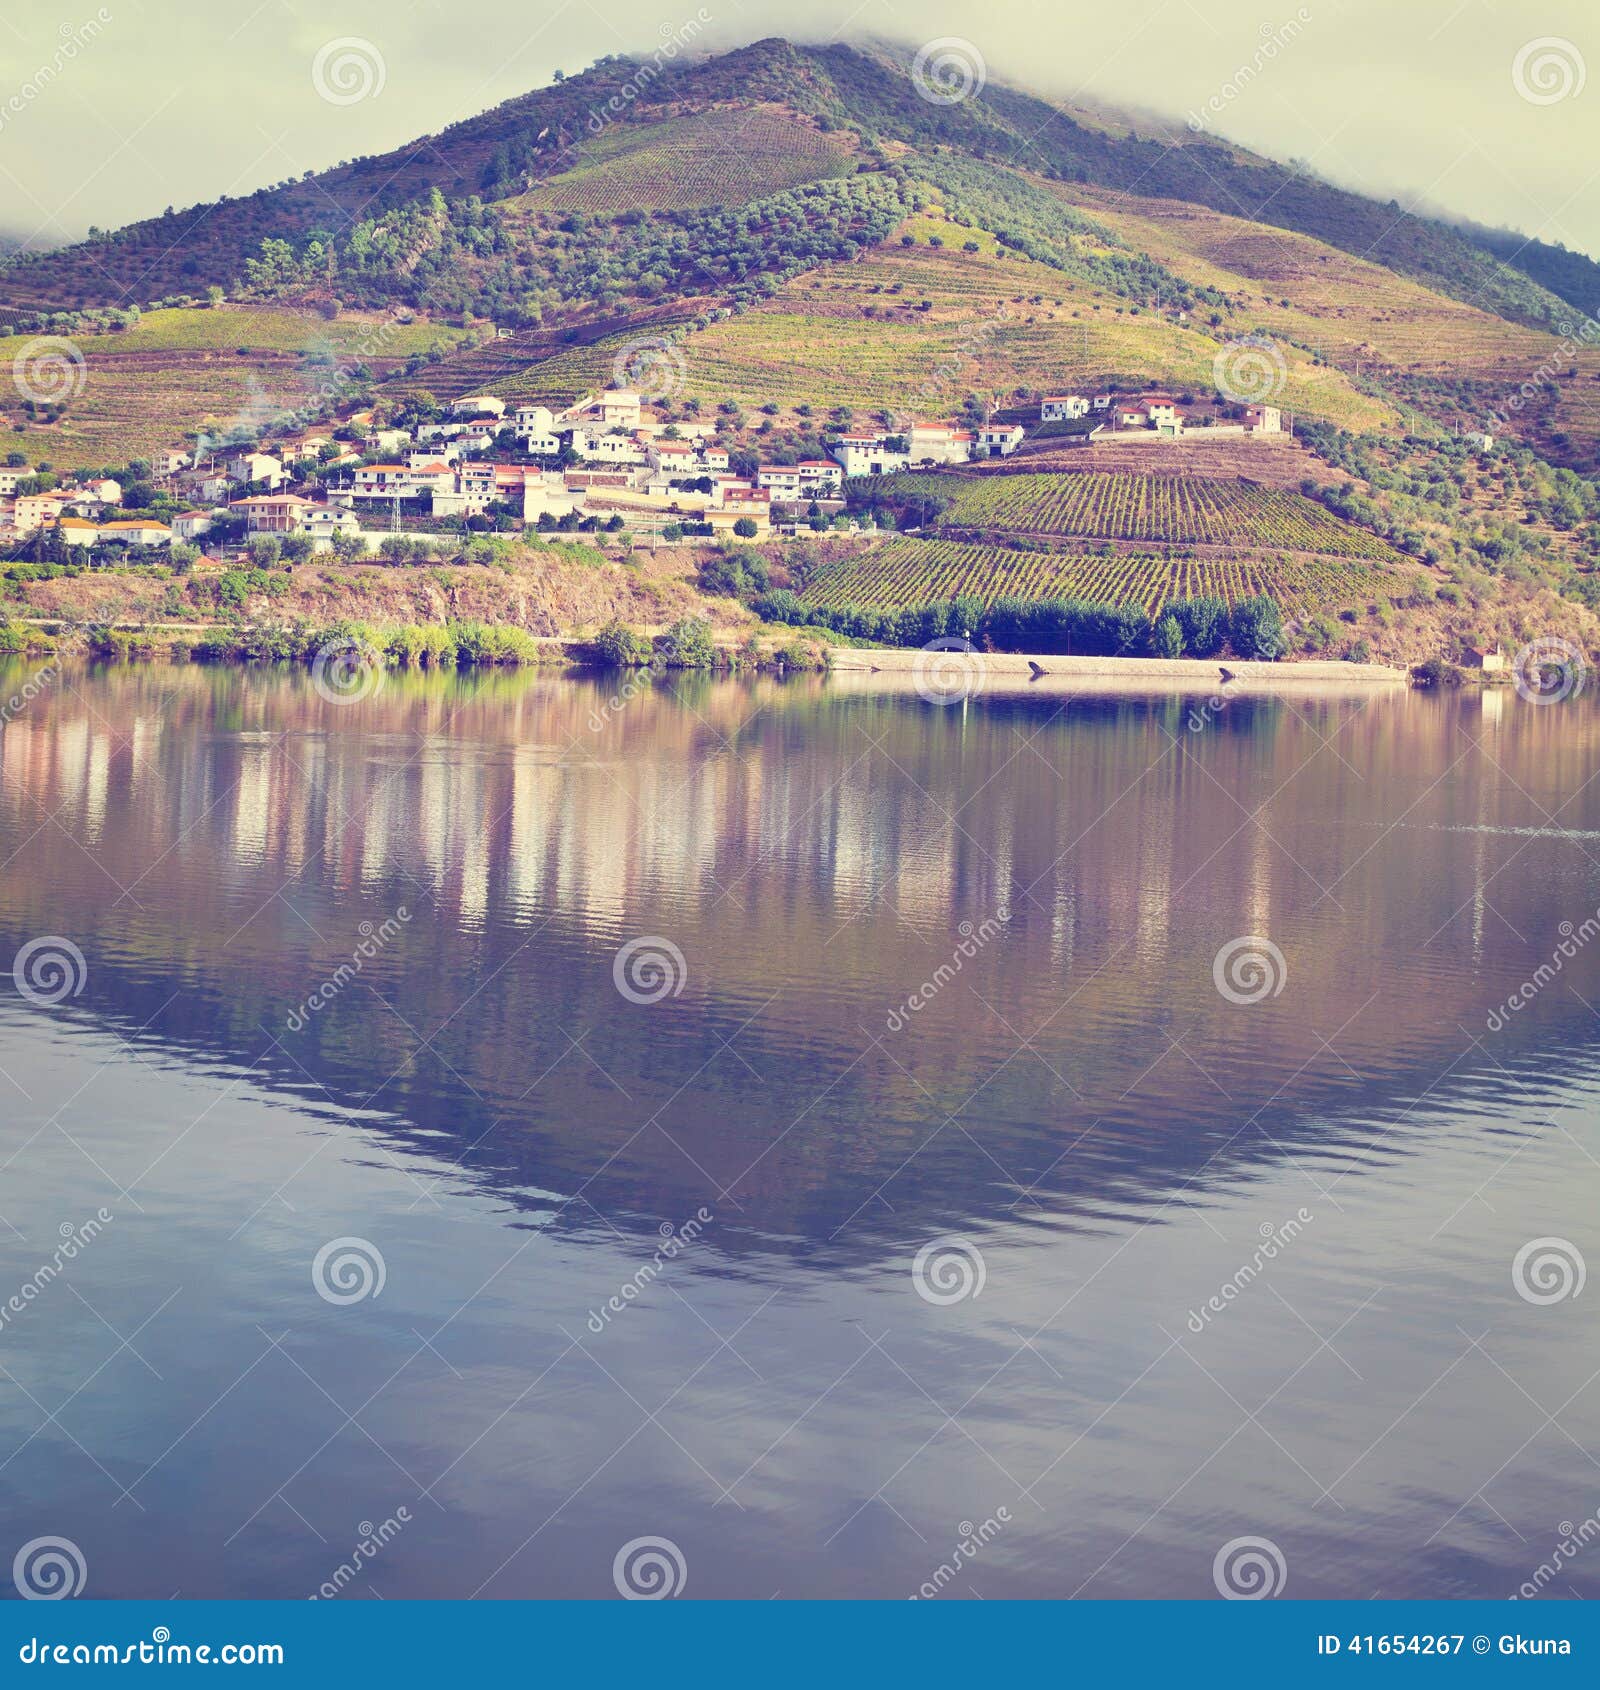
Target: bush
687,644
1437,673
1168,638
1203,622
1255,629
618,646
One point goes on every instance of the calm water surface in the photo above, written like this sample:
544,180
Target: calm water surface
919,1171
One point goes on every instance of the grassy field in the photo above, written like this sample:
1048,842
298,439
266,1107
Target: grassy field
904,570
724,156
1179,510
180,370
920,327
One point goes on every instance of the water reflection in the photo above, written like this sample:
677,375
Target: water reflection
943,971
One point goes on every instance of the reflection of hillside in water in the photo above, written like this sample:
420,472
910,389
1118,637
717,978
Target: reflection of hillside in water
214,840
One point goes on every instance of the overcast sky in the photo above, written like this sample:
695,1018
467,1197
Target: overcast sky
1486,108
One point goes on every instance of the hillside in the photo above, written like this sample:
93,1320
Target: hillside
823,235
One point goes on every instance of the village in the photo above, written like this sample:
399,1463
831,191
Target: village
603,462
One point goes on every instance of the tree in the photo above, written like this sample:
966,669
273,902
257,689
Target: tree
745,528
1168,637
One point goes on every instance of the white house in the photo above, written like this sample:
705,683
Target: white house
479,404
250,466
141,531
534,419
618,407
616,449
938,443
1063,407
322,522
998,440
866,454
819,475
1263,419
190,525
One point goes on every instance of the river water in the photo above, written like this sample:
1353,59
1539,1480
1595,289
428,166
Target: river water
856,1146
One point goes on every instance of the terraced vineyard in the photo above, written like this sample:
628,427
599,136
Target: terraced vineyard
907,571
718,157
1178,509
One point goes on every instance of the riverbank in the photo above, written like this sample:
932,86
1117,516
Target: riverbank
1188,673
